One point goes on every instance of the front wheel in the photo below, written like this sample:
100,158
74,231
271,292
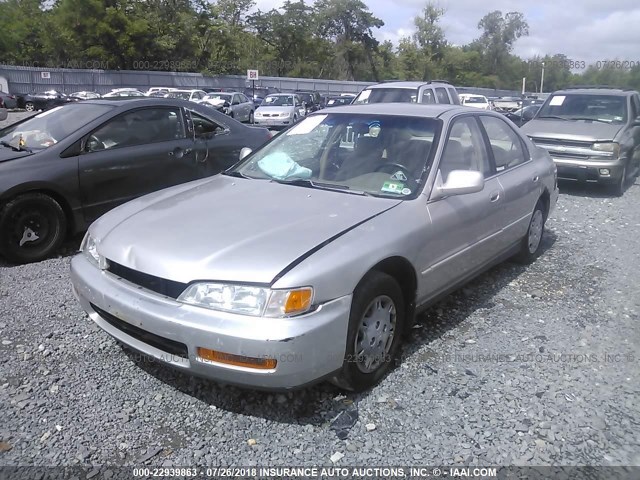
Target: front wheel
531,245
375,332
29,106
32,227
251,117
618,188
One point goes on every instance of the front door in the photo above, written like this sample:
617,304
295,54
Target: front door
463,226
135,153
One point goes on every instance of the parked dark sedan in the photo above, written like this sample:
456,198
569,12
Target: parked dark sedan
43,100
312,100
62,169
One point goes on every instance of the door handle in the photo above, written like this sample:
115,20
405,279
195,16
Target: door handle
535,179
495,196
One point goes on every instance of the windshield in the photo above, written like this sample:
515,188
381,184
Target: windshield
278,101
180,95
387,95
52,126
602,108
475,100
380,155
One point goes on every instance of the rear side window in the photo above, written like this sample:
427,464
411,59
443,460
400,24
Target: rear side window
507,147
428,96
454,96
635,106
442,95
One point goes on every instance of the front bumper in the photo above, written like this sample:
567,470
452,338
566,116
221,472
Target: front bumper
578,170
272,121
307,348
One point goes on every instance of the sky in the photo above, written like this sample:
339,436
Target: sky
584,30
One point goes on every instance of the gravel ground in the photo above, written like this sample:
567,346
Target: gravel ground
529,365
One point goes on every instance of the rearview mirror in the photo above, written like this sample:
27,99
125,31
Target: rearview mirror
459,182
244,152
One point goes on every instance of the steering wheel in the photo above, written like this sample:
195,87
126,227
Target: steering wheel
94,144
395,167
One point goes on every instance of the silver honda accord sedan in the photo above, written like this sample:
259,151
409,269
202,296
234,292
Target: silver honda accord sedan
311,257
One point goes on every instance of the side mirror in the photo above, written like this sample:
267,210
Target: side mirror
244,152
459,182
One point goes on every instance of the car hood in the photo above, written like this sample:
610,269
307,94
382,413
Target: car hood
10,154
215,101
577,130
229,229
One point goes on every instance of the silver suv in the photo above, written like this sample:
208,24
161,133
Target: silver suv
592,134
433,91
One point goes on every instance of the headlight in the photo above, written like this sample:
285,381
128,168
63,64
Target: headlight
247,300
258,114
285,114
90,248
610,147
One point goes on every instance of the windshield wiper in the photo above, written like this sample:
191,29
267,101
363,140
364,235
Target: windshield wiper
553,116
301,182
236,174
589,119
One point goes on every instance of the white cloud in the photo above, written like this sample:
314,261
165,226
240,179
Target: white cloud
588,30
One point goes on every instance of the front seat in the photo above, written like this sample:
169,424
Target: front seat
367,156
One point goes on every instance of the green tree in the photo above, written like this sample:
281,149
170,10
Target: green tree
349,24
430,39
499,33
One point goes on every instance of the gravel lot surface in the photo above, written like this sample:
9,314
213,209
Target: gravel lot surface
526,365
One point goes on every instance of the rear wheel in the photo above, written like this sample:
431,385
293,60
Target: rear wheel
251,117
532,242
32,227
375,332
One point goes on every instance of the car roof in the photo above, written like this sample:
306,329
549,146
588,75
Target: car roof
140,102
430,110
408,84
595,91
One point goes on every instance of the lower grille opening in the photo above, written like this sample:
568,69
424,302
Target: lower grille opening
170,346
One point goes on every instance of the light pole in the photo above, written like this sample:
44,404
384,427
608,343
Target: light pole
542,78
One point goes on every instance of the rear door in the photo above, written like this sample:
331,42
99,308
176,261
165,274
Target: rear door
518,175
135,153
466,223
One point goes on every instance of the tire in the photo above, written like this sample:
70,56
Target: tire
29,107
28,215
532,242
378,296
251,117
295,119
618,188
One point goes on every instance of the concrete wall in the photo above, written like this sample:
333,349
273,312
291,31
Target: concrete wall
33,79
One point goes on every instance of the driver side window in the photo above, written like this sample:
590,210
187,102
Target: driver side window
203,127
138,127
465,149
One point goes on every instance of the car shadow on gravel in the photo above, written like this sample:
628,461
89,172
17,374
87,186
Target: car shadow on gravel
321,403
592,190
